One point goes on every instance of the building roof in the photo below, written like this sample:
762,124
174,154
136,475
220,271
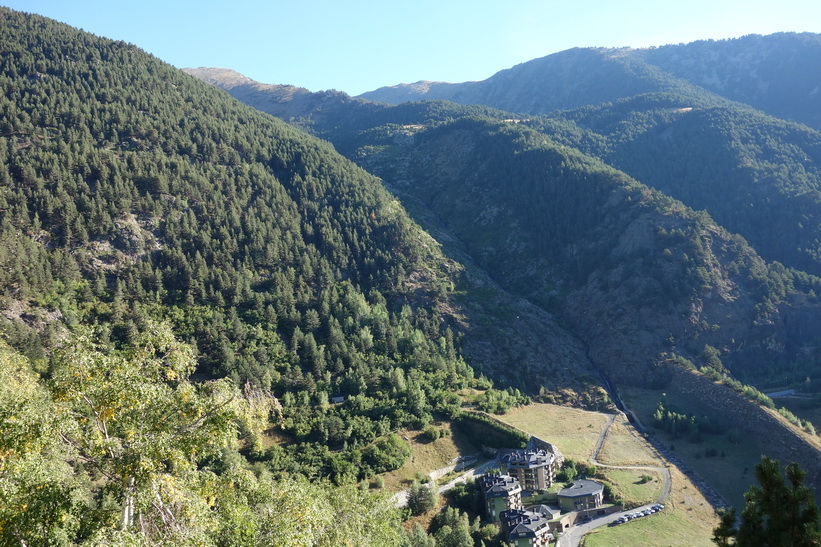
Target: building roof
500,486
581,487
545,510
526,458
522,523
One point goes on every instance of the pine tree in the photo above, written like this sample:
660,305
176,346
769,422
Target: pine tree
776,513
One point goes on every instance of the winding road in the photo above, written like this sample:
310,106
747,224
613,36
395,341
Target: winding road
574,535
401,498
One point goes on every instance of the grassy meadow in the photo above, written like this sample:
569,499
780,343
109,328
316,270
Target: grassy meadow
687,520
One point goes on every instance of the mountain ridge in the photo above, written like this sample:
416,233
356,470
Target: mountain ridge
612,133
542,85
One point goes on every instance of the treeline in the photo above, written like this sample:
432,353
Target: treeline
680,424
483,430
756,396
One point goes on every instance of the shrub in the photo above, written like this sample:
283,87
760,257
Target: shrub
431,433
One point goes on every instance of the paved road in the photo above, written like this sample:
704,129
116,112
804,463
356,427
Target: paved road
573,536
665,471
401,498
475,472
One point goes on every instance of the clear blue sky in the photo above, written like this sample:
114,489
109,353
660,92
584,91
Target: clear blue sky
360,45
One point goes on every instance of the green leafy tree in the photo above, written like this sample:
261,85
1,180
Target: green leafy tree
41,502
417,537
454,529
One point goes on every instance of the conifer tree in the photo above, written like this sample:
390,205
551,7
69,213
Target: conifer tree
776,513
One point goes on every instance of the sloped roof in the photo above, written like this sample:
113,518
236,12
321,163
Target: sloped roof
497,486
526,458
522,523
545,510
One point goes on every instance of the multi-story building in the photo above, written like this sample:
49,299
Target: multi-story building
525,528
501,492
535,469
581,495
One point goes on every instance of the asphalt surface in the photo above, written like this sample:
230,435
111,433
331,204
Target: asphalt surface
573,536
401,498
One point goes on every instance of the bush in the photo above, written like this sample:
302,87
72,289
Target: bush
431,433
386,454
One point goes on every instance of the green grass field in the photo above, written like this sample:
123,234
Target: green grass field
573,431
623,446
632,485
731,471
686,521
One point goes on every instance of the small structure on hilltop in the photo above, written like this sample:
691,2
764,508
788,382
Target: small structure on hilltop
501,492
581,495
525,528
535,468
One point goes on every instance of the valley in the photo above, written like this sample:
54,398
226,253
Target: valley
237,313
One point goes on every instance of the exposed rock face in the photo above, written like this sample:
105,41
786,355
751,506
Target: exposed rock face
641,309
413,92
220,77
283,101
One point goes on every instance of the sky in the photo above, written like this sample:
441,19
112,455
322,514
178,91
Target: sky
361,45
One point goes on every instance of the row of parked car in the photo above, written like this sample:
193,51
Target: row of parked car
630,516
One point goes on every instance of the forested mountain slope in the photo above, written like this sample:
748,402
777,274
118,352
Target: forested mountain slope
135,200
637,274
757,175
567,79
775,73
131,192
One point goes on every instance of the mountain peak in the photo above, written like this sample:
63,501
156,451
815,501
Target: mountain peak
220,77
